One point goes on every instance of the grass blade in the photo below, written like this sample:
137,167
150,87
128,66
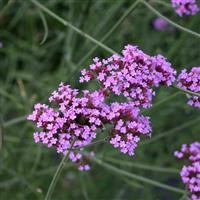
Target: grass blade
46,30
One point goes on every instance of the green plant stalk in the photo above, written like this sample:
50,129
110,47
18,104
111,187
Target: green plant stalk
162,3
142,166
117,24
83,187
131,182
166,133
57,173
14,121
187,91
162,101
137,177
68,24
46,30
168,20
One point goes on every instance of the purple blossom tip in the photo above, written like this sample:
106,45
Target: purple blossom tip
185,7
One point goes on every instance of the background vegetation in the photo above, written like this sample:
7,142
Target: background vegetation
29,71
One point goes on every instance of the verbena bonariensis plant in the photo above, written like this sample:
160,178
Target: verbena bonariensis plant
75,120
185,7
71,123
190,81
190,173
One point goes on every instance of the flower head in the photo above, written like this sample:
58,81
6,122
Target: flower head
190,173
191,81
71,119
185,7
128,127
133,75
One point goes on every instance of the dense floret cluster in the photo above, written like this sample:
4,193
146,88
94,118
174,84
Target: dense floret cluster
72,123
132,75
185,7
74,118
190,173
128,127
191,81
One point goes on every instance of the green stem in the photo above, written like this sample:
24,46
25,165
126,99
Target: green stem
166,133
46,30
162,101
142,166
137,177
14,121
168,20
187,91
68,24
162,3
131,182
129,11
83,187
57,174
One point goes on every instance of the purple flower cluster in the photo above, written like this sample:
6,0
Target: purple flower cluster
185,7
128,126
133,75
73,122
191,81
191,173
160,24
74,118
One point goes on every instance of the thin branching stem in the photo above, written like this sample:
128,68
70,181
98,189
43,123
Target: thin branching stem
187,91
173,130
162,3
142,166
137,177
168,20
14,121
57,173
116,25
164,100
68,24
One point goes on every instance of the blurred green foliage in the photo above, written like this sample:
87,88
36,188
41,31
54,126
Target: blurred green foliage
29,71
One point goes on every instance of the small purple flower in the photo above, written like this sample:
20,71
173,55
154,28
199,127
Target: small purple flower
185,7
191,81
190,173
160,24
